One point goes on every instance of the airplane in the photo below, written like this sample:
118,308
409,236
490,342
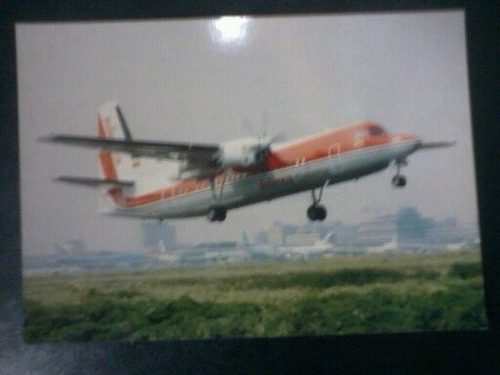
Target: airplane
214,178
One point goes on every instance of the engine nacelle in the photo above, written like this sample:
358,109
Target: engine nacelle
243,152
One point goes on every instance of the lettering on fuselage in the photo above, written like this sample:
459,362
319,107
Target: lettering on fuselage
273,182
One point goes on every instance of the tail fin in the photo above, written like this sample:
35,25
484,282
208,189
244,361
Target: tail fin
111,124
327,237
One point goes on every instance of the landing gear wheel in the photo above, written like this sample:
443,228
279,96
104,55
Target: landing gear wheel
399,181
217,213
311,213
316,212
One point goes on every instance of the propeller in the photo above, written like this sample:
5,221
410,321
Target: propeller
264,146
264,142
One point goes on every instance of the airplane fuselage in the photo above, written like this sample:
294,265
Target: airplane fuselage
335,156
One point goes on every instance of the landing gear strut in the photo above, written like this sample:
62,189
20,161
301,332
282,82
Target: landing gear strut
217,212
399,180
317,211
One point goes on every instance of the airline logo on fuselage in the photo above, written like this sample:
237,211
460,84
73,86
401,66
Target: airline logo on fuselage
273,182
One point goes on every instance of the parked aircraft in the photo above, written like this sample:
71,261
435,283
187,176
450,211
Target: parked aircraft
317,248
214,178
255,249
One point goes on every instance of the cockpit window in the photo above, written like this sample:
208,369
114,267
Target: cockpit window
376,130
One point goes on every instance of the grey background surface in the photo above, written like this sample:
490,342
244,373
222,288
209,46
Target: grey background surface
435,353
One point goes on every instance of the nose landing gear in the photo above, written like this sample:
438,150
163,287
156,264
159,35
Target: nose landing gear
217,213
399,181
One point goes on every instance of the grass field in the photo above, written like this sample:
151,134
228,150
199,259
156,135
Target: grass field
339,295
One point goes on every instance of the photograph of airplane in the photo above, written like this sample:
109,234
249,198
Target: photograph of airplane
250,177
215,178
186,90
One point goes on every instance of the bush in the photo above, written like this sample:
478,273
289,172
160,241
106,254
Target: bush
381,298
321,280
465,270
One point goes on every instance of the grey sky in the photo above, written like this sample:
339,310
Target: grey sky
299,75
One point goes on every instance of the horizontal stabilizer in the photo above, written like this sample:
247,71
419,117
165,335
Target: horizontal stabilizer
94,182
429,145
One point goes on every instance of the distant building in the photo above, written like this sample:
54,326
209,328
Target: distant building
412,227
221,246
71,247
378,231
407,227
301,238
282,234
261,237
345,235
276,234
158,237
450,232
409,230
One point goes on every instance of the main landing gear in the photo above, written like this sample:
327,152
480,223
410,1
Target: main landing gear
217,212
316,211
399,181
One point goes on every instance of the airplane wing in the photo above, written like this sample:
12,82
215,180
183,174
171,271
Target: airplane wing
195,154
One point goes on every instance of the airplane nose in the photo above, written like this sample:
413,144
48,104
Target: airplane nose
414,140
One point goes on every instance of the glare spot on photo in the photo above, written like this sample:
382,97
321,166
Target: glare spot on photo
230,30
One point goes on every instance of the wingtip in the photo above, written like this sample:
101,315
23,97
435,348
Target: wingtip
449,143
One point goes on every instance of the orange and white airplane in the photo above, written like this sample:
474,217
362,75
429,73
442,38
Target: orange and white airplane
213,178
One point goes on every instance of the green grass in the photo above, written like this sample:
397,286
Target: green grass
363,294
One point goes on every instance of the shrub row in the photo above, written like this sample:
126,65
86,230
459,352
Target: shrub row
131,317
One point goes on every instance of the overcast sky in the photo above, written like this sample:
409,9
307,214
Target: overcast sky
184,81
